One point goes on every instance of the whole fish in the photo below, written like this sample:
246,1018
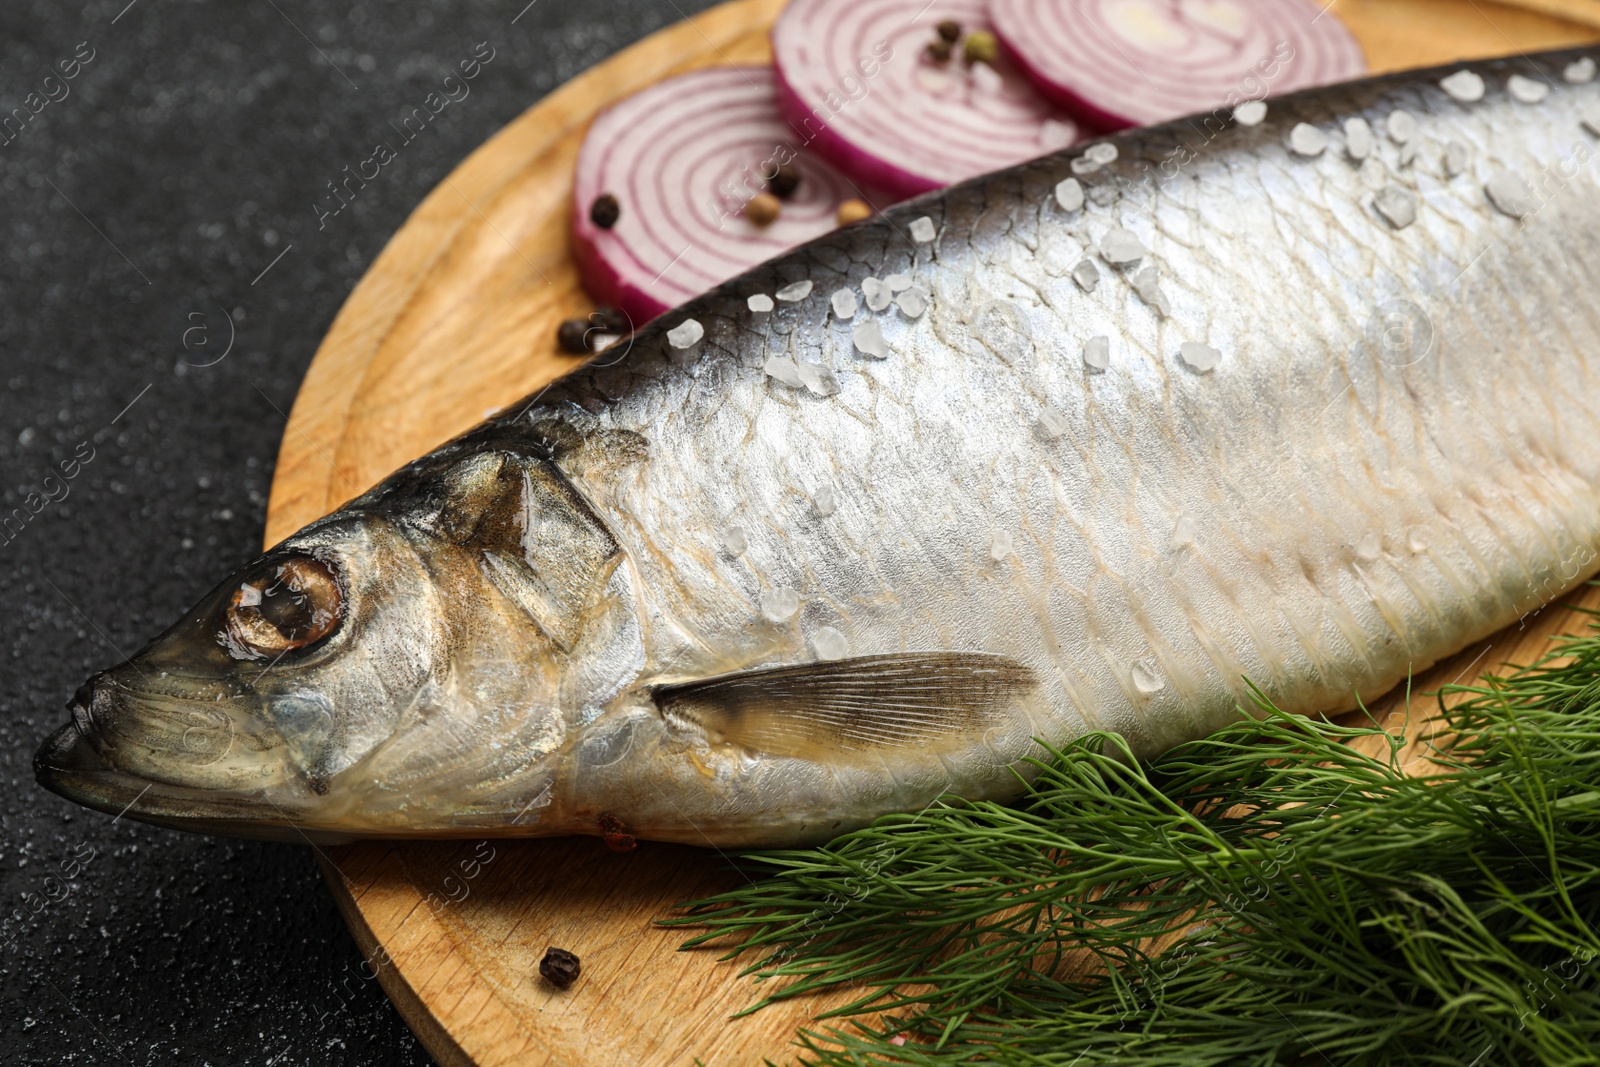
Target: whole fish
1305,401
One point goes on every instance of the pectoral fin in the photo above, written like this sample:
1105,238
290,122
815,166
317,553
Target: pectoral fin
828,710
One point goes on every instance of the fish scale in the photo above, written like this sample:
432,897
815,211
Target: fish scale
1262,487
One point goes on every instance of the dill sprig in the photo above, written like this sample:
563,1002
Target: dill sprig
1271,894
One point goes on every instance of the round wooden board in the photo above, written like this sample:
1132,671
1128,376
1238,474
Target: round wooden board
457,318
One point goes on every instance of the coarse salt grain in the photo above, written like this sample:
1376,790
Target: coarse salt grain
1464,85
1201,357
686,334
1306,140
1250,113
868,338
922,230
1069,194
795,291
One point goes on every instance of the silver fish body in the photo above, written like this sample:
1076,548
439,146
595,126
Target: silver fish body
1345,426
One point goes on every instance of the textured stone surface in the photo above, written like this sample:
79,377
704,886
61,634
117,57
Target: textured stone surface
140,212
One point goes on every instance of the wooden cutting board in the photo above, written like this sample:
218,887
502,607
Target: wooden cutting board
456,318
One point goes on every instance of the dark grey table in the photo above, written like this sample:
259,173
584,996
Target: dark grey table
162,202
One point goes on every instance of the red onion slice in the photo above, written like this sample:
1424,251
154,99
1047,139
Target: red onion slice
682,158
857,87
1132,62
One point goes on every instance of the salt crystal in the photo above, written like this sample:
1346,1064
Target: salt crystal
795,291
1527,90
913,302
1373,174
1097,352
817,378
934,80
686,334
1085,165
1402,126
1370,547
868,337
1102,153
985,79
784,370
1456,158
1147,283
1200,357
760,303
824,502
1119,247
1590,117
1408,152
1052,424
602,341
830,643
1397,206
780,604
734,541
1307,140
1069,194
877,293
1358,138
1183,531
844,303
1054,135
1579,71
1147,676
898,283
922,230
1417,539
1250,113
1465,85
1510,194
1086,274
1001,546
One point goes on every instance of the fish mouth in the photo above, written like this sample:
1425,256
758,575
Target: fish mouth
69,765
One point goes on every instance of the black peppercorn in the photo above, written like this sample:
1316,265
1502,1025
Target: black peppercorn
559,967
611,320
939,51
950,30
784,181
605,211
573,336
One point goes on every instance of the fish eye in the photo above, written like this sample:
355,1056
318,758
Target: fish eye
287,605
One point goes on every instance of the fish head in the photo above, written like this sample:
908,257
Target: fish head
404,667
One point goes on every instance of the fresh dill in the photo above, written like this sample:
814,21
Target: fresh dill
1271,894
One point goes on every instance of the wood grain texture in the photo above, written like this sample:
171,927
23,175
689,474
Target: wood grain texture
456,318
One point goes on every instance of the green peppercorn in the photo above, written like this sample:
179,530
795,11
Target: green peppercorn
981,47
